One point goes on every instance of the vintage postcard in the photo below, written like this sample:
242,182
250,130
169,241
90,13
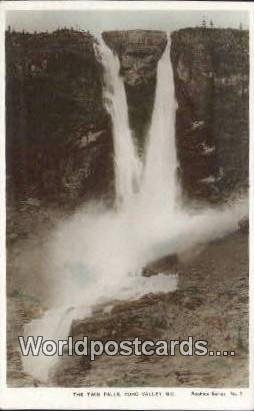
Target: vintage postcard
126,205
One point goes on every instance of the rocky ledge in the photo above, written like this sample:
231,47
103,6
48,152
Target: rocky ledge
211,304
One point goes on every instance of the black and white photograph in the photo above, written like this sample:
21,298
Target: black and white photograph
127,135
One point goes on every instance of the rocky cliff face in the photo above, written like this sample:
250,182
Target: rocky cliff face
59,135
59,140
211,73
139,52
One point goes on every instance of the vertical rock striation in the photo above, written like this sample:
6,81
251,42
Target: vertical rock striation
211,73
59,141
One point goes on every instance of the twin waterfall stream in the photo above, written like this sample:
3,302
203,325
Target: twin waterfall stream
155,180
97,255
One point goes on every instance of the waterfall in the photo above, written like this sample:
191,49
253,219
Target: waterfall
157,187
159,182
127,165
97,255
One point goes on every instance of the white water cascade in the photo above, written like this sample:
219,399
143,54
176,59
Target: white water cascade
97,255
159,185
127,164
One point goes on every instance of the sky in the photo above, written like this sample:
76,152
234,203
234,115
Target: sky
100,20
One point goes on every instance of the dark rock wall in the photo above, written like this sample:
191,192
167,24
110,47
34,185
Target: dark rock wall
59,140
211,73
59,135
139,52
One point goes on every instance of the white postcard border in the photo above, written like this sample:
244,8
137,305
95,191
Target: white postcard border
71,398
